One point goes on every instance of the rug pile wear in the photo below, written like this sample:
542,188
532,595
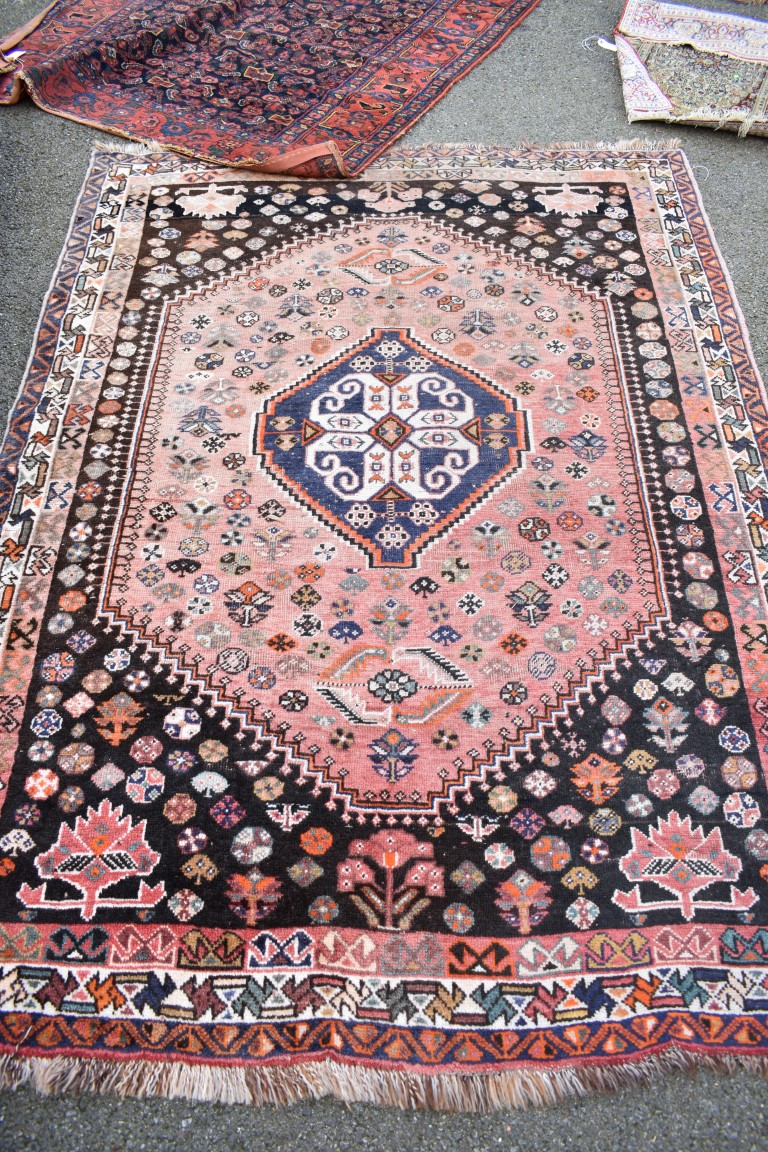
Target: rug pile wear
383,702
299,86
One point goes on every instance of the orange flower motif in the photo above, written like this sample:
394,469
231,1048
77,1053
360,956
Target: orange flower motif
715,621
72,601
316,841
310,571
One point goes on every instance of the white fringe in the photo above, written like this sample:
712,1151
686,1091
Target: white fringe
133,147
472,148
351,1083
390,158
636,144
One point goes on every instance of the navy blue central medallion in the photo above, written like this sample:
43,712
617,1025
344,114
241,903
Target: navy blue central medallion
391,443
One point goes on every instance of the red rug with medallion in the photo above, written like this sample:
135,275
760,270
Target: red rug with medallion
275,85
384,666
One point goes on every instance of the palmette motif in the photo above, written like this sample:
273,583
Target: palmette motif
385,630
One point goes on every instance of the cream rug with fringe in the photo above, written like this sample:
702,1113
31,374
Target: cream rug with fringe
693,66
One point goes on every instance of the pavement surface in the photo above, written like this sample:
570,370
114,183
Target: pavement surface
542,85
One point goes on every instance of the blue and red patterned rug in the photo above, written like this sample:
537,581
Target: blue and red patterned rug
384,654
313,89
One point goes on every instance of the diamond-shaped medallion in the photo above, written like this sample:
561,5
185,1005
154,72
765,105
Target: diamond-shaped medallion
391,443
390,431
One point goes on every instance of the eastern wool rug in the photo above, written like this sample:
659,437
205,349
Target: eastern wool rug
299,86
385,644
691,66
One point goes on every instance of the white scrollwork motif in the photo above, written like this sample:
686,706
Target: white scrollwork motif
409,433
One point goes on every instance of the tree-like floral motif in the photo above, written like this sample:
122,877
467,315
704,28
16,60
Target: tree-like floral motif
393,755
530,604
253,896
523,901
118,718
667,722
596,778
693,641
248,604
682,860
384,902
103,848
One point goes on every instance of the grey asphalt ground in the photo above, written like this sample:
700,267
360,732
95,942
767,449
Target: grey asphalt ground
542,85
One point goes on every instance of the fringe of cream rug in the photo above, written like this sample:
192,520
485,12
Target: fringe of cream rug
636,144
392,156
